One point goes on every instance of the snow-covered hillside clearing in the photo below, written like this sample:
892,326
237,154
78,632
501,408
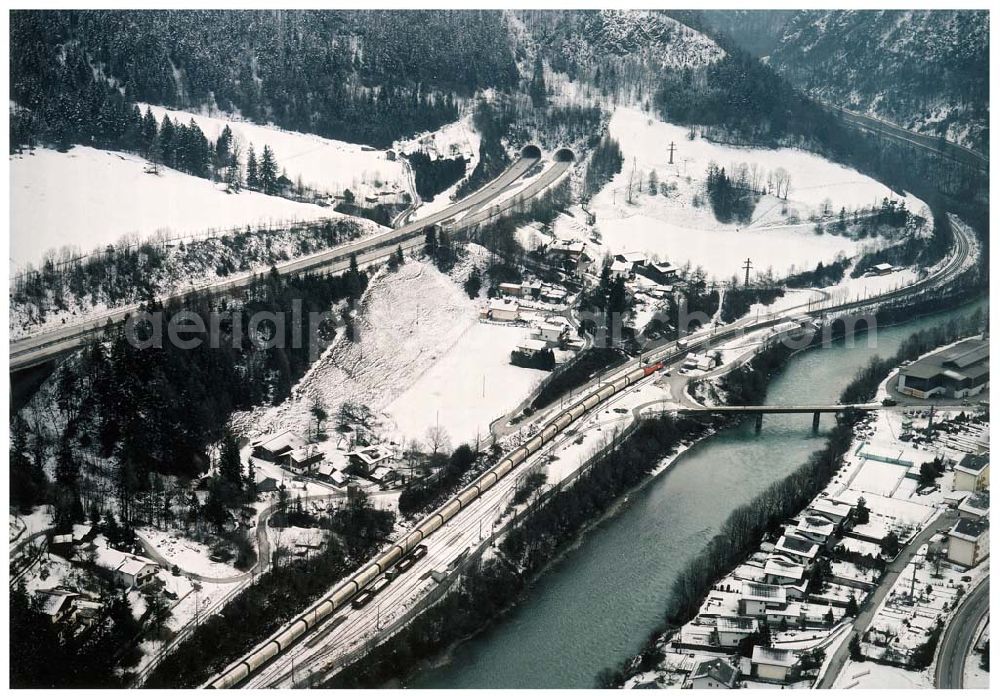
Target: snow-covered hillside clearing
780,234
328,166
88,198
422,359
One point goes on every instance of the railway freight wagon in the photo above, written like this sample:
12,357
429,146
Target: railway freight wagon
411,545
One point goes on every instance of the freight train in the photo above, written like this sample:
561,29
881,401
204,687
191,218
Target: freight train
357,590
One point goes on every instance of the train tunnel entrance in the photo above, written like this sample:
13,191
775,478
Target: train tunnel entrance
564,155
531,151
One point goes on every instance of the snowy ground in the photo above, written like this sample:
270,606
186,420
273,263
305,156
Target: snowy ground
672,227
869,675
186,554
420,360
88,198
329,166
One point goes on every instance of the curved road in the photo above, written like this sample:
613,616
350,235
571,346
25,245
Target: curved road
958,641
44,345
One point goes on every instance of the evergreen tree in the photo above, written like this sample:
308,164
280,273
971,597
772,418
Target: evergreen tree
268,172
253,178
537,90
229,459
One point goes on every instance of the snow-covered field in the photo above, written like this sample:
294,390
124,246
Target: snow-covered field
673,228
420,360
470,386
88,198
326,165
870,675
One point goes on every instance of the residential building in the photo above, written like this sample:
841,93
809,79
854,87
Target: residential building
266,485
714,674
662,273
730,630
129,570
975,506
510,289
620,269
956,372
551,333
531,347
969,542
303,459
634,259
813,528
772,664
757,598
836,511
882,268
56,604
367,459
503,310
972,473
276,446
799,550
567,249
383,475
781,572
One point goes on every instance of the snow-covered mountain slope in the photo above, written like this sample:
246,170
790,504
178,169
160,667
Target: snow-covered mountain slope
88,198
328,166
927,70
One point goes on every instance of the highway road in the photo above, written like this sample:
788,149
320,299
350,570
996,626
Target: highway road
960,637
349,632
44,345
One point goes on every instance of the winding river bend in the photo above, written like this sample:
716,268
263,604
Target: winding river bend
596,605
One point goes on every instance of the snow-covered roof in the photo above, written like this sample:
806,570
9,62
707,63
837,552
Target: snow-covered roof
503,304
977,504
633,257
773,656
282,442
620,267
969,530
54,601
783,569
831,507
381,473
797,547
717,669
760,592
532,345
736,624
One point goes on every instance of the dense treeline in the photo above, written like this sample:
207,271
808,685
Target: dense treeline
491,122
823,275
128,273
741,99
434,176
730,202
575,373
915,250
421,495
361,76
737,301
747,384
492,585
358,530
542,360
152,408
47,655
605,162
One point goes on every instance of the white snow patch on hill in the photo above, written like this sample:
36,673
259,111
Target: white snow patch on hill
420,360
673,228
88,198
329,166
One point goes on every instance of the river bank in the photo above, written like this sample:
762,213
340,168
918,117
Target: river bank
596,605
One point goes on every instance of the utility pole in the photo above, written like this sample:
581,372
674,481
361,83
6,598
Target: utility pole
746,267
672,148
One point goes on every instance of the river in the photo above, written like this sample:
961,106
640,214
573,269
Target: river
596,605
